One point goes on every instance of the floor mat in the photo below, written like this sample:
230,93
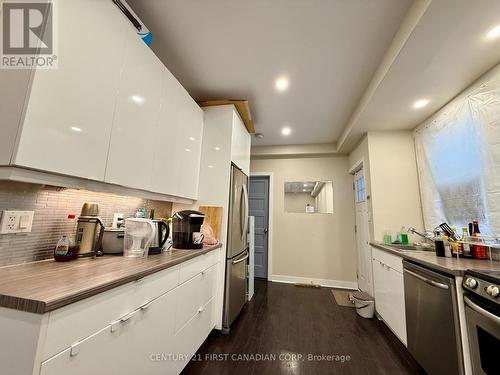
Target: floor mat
342,297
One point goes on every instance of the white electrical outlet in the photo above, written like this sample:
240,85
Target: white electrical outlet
16,222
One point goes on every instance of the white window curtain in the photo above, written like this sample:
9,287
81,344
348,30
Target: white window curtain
458,157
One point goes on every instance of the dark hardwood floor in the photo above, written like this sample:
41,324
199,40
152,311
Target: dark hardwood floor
283,321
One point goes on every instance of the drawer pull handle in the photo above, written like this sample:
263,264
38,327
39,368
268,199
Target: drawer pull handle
123,319
200,310
114,326
145,306
75,349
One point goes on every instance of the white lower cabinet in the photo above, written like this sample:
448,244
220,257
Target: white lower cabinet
389,291
122,347
159,337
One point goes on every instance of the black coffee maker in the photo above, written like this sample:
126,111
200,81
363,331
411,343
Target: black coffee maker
186,231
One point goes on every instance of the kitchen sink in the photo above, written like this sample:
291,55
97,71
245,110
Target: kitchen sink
412,247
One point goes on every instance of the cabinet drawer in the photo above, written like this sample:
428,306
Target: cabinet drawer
196,265
393,261
193,295
123,347
193,334
81,319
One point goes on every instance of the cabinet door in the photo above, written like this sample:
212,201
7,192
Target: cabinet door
240,149
69,113
177,148
130,159
389,298
187,144
129,346
164,163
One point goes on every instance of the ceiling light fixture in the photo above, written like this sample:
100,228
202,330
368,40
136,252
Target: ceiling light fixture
217,148
286,131
305,185
137,99
421,103
281,84
187,150
494,33
76,129
259,135
192,138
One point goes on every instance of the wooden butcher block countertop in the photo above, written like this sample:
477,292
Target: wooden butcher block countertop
40,287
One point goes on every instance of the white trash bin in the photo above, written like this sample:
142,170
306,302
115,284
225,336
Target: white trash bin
365,304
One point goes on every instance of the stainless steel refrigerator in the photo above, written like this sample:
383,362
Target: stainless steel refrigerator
237,248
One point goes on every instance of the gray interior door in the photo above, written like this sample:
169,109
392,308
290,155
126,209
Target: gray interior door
258,199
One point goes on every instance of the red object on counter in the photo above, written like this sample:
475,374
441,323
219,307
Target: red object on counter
478,251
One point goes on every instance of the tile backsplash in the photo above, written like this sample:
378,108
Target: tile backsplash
52,206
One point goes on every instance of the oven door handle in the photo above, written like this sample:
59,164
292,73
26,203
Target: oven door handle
481,311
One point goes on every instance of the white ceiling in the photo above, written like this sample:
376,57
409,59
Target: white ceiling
235,49
446,51
330,50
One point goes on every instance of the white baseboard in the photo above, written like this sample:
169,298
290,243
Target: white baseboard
306,280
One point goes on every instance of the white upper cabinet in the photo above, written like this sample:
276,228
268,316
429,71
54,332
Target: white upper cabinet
110,112
130,158
188,146
69,112
240,145
178,142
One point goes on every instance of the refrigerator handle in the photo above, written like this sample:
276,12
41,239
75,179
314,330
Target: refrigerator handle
245,217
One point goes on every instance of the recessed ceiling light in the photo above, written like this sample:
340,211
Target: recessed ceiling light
286,131
187,150
281,84
192,138
210,166
217,148
494,33
76,129
421,103
137,99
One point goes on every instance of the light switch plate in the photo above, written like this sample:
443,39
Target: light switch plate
16,222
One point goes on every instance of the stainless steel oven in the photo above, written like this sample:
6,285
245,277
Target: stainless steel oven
482,311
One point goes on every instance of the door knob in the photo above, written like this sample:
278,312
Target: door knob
265,230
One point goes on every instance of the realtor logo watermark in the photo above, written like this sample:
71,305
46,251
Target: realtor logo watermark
28,35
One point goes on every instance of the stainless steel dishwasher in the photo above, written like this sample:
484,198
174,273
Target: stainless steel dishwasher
432,323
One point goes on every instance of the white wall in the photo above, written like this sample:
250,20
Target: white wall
391,180
312,247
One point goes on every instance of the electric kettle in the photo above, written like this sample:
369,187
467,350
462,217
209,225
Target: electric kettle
162,231
89,231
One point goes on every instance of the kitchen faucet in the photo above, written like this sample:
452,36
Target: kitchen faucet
425,235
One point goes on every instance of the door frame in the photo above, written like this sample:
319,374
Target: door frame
356,167
270,221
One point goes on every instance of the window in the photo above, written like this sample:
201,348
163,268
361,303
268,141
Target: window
360,189
459,162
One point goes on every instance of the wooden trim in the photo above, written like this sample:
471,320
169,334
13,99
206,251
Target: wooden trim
242,107
308,280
